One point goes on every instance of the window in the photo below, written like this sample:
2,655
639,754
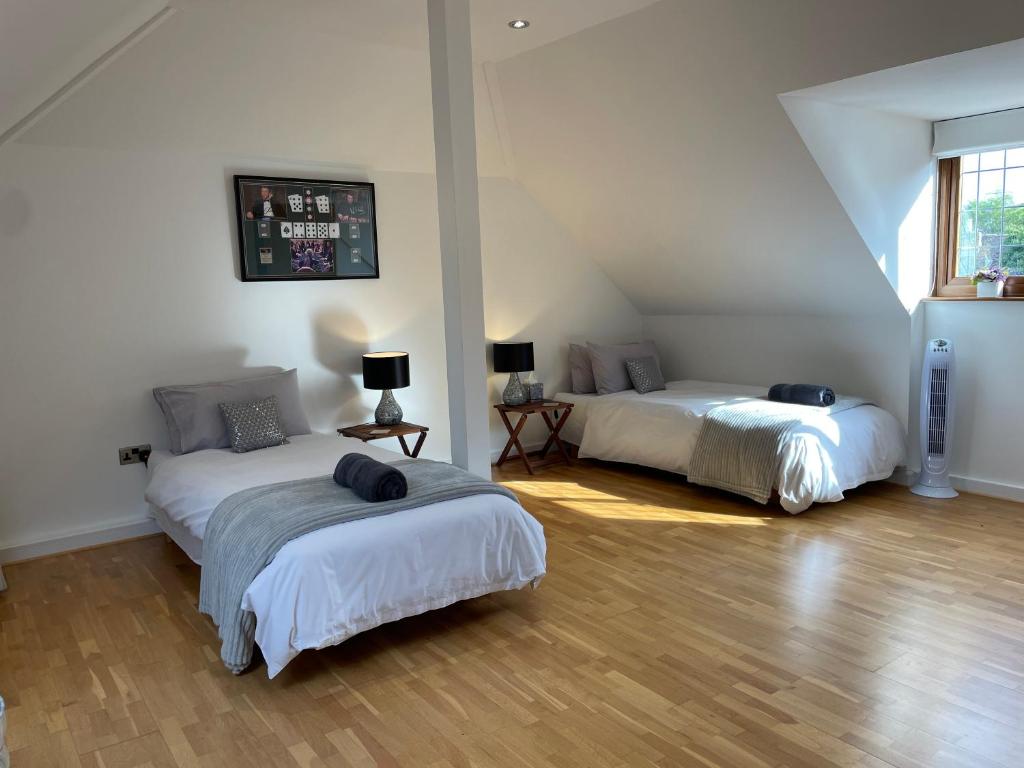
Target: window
981,219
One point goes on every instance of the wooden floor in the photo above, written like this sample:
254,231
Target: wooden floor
676,627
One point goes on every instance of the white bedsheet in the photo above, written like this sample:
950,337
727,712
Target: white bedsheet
336,582
825,456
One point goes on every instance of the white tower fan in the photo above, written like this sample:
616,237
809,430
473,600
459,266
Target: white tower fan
938,403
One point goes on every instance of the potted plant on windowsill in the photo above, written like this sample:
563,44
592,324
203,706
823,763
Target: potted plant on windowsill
990,282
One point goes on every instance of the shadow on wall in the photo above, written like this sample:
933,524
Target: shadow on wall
339,342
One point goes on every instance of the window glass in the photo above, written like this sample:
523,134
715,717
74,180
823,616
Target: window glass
1014,187
991,227
992,160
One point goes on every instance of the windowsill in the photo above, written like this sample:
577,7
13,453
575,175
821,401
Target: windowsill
972,298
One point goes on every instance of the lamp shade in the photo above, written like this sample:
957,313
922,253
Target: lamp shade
513,356
386,370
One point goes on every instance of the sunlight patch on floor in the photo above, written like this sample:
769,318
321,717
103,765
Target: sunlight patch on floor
559,490
595,503
655,513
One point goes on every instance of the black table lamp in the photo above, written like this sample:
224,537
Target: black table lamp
513,357
387,371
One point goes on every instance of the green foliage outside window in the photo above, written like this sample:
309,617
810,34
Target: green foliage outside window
991,235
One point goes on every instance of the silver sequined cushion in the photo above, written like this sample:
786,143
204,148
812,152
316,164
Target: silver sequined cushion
253,425
645,373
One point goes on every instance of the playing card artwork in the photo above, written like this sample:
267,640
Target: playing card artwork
305,229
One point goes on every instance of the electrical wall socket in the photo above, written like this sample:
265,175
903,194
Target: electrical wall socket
134,454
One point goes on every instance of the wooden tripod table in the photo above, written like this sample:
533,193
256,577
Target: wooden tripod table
547,409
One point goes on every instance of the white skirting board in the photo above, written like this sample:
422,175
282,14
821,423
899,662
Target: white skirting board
988,488
996,490
89,537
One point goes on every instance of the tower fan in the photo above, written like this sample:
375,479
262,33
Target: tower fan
938,400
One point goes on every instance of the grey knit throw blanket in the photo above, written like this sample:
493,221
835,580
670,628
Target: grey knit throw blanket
739,446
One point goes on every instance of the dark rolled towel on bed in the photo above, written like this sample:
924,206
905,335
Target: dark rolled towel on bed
802,394
369,479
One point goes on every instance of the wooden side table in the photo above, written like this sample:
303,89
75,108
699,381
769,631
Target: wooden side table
368,432
546,408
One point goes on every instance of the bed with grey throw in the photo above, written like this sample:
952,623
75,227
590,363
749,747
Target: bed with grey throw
739,446
248,528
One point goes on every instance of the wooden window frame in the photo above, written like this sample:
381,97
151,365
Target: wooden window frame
947,284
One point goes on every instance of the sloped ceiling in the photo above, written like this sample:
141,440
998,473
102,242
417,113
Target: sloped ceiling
336,81
659,141
46,43
297,81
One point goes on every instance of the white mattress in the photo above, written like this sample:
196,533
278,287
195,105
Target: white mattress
822,458
336,582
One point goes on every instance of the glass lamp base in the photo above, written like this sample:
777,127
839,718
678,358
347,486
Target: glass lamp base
388,412
515,392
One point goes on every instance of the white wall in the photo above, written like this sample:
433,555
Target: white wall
767,349
120,276
119,248
540,285
988,444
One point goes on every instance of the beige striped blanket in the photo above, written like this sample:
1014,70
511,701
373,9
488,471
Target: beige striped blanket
739,446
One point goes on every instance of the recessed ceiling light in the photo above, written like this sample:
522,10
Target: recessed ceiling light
519,23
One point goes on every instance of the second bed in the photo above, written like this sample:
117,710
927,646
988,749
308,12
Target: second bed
823,456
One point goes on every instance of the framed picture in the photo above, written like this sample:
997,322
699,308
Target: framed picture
306,229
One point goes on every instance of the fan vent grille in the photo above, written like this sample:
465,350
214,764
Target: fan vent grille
938,397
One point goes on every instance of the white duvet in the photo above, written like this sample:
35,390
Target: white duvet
823,457
333,583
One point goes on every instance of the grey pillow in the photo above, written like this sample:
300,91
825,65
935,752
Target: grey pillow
254,425
194,420
609,364
580,372
645,373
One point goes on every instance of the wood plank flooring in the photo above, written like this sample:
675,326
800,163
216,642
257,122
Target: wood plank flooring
676,627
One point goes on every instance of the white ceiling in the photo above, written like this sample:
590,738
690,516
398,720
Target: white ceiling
46,43
550,20
972,82
238,77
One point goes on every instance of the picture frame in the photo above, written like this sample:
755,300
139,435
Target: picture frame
305,229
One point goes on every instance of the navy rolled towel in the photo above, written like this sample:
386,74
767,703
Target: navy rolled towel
803,394
369,479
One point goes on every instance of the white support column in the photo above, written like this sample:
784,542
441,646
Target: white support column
458,209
